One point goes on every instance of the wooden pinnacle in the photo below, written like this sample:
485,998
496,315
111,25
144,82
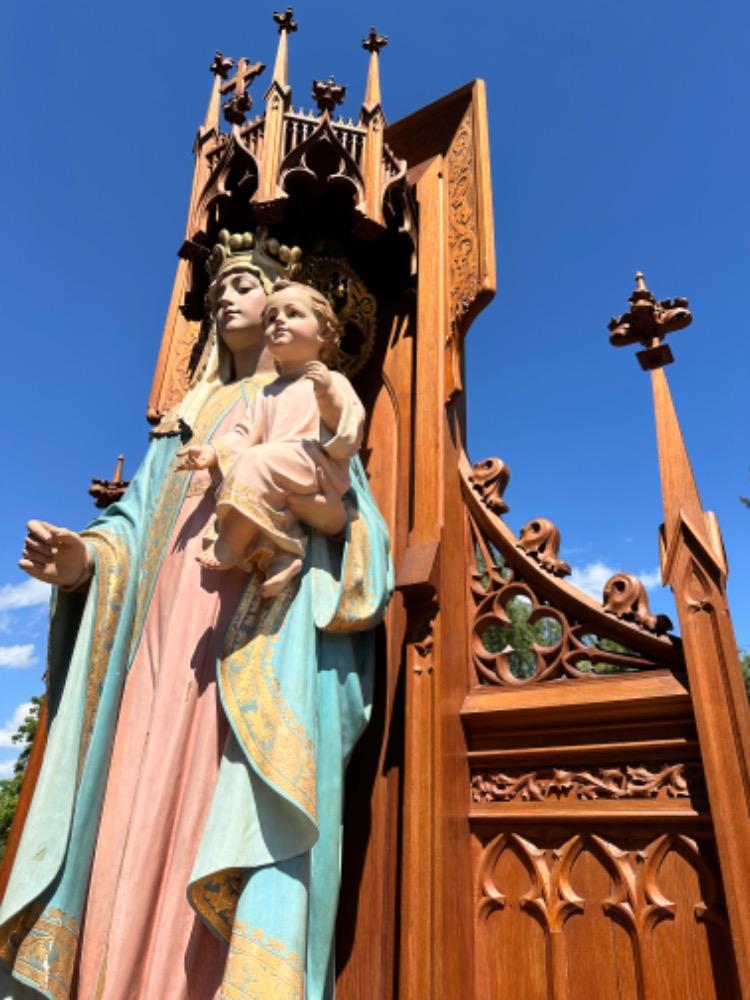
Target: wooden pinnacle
221,65
374,42
648,322
285,20
327,95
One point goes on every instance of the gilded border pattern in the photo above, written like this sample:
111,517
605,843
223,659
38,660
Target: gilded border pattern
215,898
250,504
259,967
113,568
358,608
48,954
265,725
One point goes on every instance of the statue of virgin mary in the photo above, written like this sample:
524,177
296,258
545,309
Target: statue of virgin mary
184,836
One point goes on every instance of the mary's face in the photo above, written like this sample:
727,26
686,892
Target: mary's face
240,301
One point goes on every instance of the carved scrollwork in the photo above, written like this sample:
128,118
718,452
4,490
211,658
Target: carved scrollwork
540,539
617,782
625,597
490,479
462,231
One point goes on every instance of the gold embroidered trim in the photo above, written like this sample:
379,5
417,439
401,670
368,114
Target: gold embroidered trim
225,454
48,954
358,607
273,523
259,967
215,898
267,728
113,568
199,487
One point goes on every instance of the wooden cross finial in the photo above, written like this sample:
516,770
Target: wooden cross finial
327,95
221,65
285,20
240,103
648,322
374,42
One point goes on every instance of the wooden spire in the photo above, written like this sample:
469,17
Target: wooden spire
278,99
287,24
373,119
694,566
373,44
220,68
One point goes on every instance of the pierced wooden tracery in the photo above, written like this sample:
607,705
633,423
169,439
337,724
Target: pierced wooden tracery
573,637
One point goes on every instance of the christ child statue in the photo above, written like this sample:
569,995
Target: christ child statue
297,436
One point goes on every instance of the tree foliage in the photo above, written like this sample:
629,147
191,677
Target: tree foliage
745,664
10,788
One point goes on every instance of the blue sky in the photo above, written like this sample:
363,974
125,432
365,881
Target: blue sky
619,142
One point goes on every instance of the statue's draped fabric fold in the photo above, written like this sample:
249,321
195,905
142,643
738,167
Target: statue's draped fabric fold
295,680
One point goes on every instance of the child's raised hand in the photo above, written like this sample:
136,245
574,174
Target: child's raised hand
197,456
319,374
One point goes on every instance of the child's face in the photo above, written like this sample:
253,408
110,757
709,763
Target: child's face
291,327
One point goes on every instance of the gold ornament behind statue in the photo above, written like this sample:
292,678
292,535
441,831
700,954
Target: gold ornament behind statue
354,305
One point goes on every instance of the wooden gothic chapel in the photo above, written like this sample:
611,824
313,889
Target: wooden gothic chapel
565,820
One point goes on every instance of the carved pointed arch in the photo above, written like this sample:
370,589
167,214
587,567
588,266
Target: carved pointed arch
321,162
234,171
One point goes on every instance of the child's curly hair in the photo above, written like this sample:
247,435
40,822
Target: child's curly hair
330,328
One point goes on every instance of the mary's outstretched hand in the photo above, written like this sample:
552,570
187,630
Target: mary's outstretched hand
55,555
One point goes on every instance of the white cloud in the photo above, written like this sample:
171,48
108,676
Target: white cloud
23,595
6,768
17,656
11,727
650,580
592,577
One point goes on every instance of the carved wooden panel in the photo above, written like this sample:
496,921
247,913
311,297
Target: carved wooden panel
616,781
462,215
601,916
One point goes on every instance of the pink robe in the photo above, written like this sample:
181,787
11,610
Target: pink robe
141,938
277,448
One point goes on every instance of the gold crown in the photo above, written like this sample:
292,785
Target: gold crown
256,252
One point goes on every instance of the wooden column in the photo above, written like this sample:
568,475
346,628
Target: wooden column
417,580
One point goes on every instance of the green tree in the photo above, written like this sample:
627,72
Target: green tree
520,636
745,664
10,788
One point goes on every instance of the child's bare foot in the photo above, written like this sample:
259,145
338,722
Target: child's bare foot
279,572
209,559
218,555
